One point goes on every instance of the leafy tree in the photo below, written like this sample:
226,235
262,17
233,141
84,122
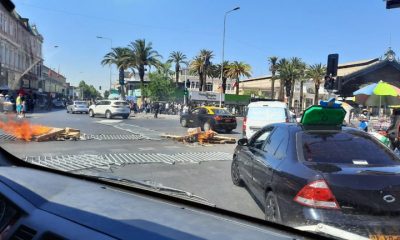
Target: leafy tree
142,54
88,91
281,64
236,70
165,69
178,58
202,66
160,87
316,72
273,67
119,57
216,69
289,72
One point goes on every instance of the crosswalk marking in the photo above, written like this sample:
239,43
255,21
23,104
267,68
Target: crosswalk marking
85,161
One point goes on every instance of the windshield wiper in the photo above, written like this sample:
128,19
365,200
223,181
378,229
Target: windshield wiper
158,187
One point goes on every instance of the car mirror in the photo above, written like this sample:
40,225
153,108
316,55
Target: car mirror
243,142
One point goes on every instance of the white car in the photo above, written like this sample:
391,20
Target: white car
260,114
78,106
110,109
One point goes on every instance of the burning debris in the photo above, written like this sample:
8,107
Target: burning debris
24,130
196,135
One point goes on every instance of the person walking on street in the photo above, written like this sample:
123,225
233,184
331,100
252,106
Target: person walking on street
156,107
18,104
23,107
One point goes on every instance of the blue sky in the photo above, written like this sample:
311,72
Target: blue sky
310,29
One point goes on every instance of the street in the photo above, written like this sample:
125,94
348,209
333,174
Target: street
133,149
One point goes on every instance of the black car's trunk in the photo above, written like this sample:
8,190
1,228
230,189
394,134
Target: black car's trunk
364,190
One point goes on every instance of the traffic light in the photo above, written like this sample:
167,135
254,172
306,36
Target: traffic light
329,83
187,83
392,4
100,88
185,92
332,66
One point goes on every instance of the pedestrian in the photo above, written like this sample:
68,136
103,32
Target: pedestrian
363,125
23,111
156,107
18,104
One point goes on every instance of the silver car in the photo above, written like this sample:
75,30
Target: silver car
78,106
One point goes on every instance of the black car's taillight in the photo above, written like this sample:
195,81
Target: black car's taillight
318,195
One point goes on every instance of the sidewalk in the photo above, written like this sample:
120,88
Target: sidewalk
151,116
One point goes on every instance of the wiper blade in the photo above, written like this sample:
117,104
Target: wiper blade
160,188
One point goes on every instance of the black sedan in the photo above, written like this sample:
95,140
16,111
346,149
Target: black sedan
209,118
340,177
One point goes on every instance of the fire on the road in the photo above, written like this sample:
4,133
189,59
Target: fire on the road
22,129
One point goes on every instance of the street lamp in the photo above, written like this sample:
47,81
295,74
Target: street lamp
223,51
111,45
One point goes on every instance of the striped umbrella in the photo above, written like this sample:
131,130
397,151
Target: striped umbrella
378,94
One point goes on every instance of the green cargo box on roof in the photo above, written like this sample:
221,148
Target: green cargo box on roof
323,116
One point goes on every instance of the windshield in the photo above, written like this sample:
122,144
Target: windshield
148,72
221,112
267,114
344,148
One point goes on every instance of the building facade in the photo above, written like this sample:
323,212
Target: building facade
20,51
52,82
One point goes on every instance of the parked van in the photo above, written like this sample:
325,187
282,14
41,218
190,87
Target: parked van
259,114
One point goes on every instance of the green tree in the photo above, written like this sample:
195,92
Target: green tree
88,91
280,65
178,58
165,69
118,57
273,67
289,72
217,73
238,69
142,54
316,72
299,76
160,87
202,66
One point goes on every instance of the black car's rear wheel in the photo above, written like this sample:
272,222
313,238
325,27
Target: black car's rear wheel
272,212
184,122
235,174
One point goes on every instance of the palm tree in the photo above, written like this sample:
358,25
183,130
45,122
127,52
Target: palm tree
196,68
281,63
316,72
165,69
142,55
273,67
178,58
238,69
202,66
299,72
119,57
217,73
206,56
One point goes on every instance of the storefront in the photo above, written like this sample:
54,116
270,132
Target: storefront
206,98
237,103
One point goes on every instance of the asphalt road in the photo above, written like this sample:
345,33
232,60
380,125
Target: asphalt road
201,170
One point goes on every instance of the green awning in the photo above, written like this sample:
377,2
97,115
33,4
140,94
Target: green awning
237,99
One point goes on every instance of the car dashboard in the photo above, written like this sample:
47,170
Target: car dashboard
36,204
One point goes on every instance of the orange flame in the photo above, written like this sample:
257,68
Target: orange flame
22,129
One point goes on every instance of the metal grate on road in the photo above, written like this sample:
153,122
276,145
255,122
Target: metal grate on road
85,161
109,137
7,137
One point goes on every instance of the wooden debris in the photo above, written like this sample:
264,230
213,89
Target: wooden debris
58,134
196,135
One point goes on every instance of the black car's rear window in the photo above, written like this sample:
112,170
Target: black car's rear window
221,112
344,148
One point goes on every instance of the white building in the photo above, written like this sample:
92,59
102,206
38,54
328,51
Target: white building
20,50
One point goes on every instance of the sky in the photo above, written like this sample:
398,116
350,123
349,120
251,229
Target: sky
309,29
